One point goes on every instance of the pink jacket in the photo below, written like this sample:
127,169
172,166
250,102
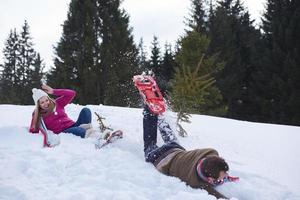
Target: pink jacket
58,120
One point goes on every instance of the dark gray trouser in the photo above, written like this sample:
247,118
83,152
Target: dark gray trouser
151,150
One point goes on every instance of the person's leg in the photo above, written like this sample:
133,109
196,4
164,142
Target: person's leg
152,151
78,131
150,131
85,117
166,132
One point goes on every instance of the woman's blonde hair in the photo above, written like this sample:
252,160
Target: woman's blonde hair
38,112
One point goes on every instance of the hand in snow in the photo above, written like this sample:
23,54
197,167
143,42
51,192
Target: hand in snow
47,89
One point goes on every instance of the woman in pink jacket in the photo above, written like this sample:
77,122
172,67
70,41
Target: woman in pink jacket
53,114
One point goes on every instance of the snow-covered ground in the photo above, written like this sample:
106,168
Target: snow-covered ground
264,156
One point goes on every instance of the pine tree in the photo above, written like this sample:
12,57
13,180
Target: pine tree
118,54
96,49
156,65
277,81
192,46
27,58
188,87
155,58
198,17
9,77
36,74
142,58
189,90
167,68
76,54
21,63
235,38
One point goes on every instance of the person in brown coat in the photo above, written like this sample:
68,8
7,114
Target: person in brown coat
200,168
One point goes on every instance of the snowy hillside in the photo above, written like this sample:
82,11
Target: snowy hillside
264,156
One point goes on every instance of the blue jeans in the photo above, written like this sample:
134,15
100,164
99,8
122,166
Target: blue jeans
85,117
151,150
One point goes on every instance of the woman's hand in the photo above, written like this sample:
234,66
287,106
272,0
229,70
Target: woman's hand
47,89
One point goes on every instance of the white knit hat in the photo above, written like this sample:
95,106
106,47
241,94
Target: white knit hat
37,94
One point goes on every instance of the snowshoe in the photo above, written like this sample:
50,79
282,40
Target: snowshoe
109,138
150,93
